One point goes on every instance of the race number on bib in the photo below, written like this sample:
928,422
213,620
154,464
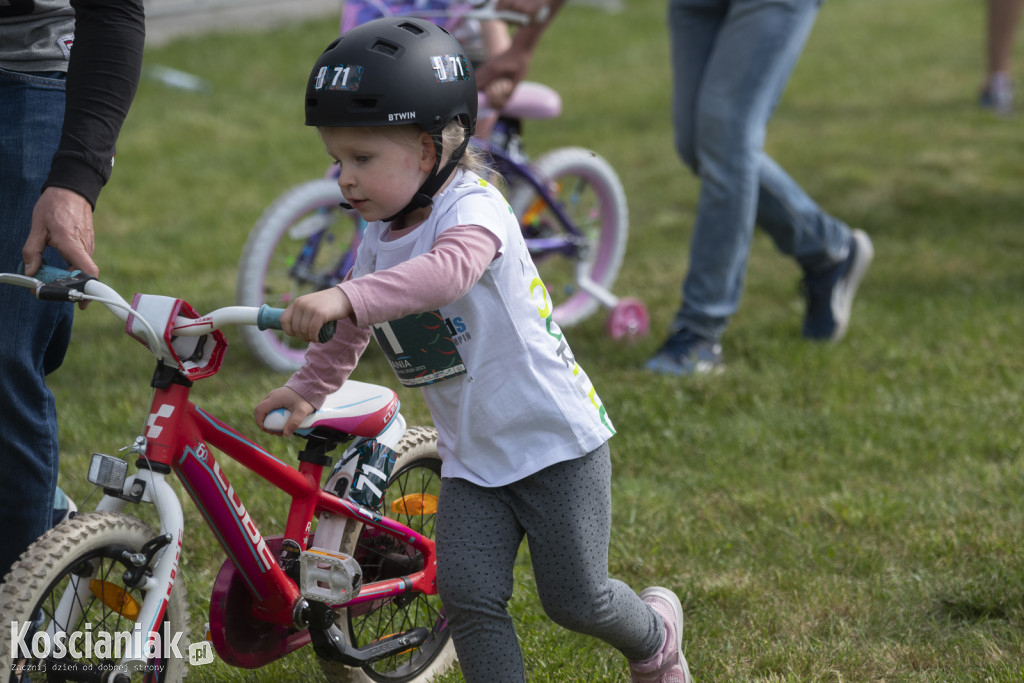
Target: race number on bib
420,349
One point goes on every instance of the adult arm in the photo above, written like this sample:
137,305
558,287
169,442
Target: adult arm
103,74
514,63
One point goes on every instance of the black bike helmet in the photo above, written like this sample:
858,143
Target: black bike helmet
396,71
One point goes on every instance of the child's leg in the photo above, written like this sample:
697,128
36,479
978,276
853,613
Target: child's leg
566,510
477,541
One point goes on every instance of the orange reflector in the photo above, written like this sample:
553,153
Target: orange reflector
538,206
534,212
415,504
115,598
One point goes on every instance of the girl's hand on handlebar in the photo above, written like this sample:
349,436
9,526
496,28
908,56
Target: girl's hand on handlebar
307,314
289,400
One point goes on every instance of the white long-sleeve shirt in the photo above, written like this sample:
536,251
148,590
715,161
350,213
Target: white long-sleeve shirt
459,308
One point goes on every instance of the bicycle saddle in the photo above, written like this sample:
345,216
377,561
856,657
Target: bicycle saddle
529,100
358,408
532,100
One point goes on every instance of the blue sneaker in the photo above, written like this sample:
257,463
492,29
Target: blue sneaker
687,353
830,292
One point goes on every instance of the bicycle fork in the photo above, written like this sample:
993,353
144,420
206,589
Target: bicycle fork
153,569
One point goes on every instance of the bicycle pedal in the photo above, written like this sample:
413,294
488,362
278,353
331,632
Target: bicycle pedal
329,577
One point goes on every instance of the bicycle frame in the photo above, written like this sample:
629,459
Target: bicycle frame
303,262
178,439
510,168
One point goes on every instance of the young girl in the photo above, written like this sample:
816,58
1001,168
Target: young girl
521,431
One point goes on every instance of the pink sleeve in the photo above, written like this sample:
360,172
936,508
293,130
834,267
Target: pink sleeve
455,262
328,365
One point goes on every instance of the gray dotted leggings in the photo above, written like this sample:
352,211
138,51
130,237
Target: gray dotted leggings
565,513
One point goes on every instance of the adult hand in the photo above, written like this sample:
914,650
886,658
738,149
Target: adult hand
514,63
499,92
61,219
504,71
288,399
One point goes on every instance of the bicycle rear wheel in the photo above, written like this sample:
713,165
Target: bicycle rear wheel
588,190
411,498
82,562
303,242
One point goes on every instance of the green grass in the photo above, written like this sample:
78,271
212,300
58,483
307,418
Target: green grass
827,513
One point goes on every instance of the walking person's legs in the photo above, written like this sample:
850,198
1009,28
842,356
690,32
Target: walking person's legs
723,98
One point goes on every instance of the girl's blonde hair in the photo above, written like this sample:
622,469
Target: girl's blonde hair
472,159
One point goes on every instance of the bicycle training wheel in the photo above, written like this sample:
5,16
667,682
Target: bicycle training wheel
71,580
303,242
590,193
411,498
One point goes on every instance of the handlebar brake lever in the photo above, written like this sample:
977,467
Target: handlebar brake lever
71,288
58,292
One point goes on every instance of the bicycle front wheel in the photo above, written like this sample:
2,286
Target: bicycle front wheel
71,581
411,498
589,192
303,242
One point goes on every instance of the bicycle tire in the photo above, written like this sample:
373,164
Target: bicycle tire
417,471
596,202
89,545
268,271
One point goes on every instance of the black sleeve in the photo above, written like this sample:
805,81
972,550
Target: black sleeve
103,74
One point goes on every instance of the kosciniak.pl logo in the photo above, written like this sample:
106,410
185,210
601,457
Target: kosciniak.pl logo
26,642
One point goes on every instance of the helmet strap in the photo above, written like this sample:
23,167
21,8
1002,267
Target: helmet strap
425,195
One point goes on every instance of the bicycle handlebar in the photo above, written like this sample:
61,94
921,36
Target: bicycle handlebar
481,10
488,9
56,284
491,13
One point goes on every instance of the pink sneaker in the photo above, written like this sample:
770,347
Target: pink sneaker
668,665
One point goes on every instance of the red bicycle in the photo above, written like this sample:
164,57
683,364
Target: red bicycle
360,589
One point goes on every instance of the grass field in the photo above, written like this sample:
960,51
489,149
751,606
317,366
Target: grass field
826,513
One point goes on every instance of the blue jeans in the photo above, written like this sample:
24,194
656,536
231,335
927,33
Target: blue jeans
731,60
34,335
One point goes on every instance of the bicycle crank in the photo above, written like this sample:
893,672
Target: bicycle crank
331,645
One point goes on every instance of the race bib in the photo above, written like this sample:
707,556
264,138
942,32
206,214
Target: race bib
420,349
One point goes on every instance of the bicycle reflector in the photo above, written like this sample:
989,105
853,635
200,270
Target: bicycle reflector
415,504
107,471
116,598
